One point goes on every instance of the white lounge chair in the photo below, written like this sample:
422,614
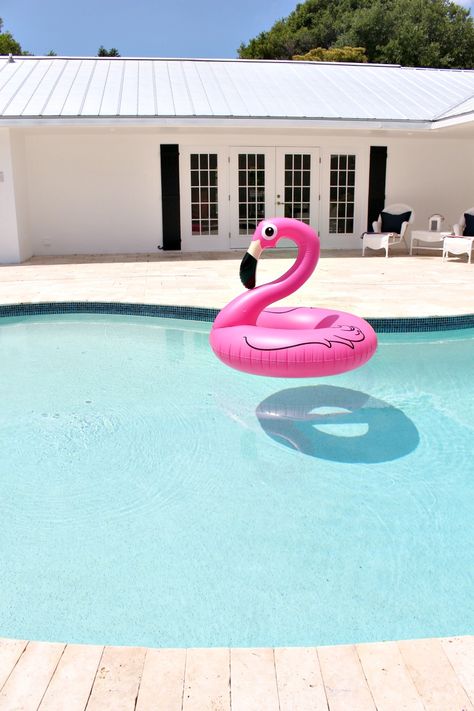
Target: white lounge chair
460,227
389,229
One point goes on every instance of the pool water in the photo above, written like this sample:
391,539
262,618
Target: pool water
149,495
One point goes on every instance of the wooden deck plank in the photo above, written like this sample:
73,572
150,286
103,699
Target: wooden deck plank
162,683
253,680
29,679
299,680
460,652
73,678
118,679
10,652
433,675
387,676
206,681
344,679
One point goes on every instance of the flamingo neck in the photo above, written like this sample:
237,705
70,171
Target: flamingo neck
246,308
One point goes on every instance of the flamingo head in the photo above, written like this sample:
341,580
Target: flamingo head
266,236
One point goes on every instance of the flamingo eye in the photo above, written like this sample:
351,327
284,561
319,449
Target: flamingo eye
269,231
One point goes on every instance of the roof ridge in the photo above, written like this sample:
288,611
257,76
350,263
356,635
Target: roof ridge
458,103
230,60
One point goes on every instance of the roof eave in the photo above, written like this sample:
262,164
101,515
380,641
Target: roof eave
217,122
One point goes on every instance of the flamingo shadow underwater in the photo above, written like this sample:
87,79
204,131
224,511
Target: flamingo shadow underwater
350,427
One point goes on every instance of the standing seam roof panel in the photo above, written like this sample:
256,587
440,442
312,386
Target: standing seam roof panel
196,90
217,100
46,87
56,101
75,98
95,92
14,84
164,95
129,96
182,101
146,90
113,90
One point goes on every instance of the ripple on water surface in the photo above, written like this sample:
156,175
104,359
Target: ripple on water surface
156,497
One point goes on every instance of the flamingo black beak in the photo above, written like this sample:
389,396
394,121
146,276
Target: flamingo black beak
248,265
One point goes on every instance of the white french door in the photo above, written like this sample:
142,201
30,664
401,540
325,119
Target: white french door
271,182
226,192
204,199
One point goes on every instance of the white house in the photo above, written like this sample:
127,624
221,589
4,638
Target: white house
102,155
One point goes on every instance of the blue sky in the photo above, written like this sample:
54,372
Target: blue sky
160,28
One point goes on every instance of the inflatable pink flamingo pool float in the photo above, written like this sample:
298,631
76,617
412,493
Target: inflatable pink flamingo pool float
287,342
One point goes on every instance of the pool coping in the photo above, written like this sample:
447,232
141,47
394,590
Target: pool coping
205,314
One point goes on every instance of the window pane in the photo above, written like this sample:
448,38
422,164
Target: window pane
242,161
307,162
297,162
261,161
213,161
194,161
288,162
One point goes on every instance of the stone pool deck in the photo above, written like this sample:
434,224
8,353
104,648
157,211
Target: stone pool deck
419,675
416,675
371,286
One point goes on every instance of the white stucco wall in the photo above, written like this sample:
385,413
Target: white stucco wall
96,191
9,232
434,175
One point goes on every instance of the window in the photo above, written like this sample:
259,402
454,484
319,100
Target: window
204,219
342,194
251,191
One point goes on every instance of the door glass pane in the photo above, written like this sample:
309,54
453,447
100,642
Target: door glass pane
251,197
203,167
297,173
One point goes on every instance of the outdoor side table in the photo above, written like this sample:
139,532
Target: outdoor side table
427,236
458,245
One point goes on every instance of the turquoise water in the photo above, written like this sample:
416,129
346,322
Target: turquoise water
150,495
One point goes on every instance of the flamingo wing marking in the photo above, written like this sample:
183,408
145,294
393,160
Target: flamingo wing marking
336,338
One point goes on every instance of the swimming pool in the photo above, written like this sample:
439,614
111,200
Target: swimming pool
150,495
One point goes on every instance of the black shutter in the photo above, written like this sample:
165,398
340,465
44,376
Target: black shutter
378,169
170,196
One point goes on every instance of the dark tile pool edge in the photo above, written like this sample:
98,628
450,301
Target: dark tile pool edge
199,313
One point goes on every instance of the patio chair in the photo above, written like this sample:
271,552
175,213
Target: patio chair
465,226
390,228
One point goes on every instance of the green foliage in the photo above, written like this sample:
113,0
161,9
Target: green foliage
102,52
335,54
8,44
429,33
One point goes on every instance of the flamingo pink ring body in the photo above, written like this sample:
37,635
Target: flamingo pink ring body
287,342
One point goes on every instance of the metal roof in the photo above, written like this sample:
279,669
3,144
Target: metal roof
55,88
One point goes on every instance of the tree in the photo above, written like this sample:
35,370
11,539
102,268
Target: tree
102,52
335,54
8,44
430,33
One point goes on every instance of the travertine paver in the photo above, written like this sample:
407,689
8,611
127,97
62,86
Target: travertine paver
371,286
415,675
117,680
344,679
73,678
26,685
437,683
162,683
207,680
